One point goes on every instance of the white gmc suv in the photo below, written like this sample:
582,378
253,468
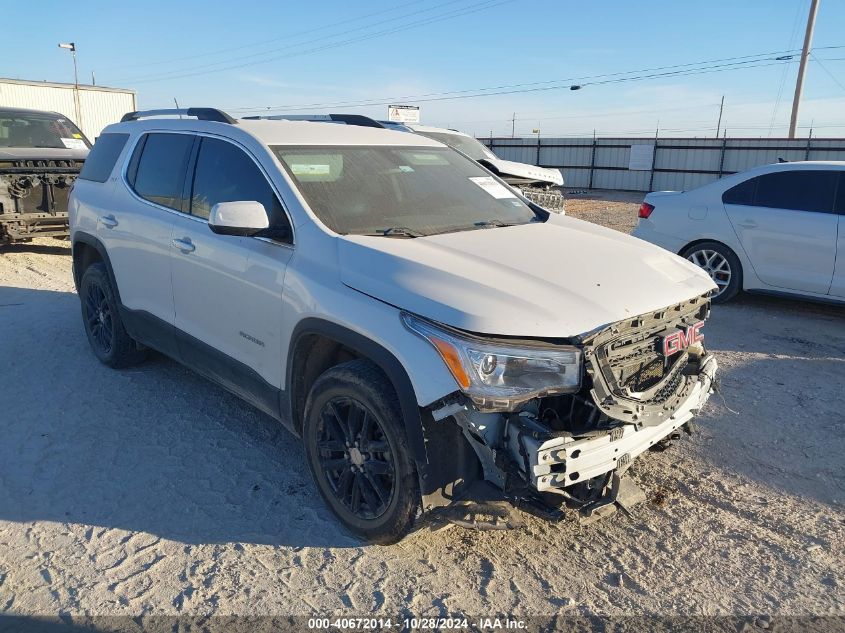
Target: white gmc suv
441,344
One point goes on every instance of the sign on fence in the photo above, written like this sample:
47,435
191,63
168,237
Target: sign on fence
403,113
642,157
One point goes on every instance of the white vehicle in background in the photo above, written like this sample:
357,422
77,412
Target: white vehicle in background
538,184
777,229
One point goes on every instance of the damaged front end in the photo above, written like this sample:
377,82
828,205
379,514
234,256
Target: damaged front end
34,197
546,444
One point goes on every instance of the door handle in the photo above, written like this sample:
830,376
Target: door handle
108,221
185,245
748,224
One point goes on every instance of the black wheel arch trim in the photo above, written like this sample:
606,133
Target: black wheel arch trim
452,460
385,360
93,242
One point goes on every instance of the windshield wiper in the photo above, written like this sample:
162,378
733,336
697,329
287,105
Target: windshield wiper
483,224
396,231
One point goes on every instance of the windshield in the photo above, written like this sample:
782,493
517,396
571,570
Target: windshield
40,129
470,146
400,191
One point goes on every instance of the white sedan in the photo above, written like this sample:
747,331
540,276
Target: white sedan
776,229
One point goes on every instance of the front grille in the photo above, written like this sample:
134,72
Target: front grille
550,199
41,164
627,365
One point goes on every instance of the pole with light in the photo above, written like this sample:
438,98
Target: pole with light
71,46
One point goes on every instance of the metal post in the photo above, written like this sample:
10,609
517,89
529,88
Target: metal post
513,125
71,46
653,157
592,161
76,85
802,67
809,143
719,122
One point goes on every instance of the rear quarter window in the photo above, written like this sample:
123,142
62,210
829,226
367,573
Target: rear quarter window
743,193
100,161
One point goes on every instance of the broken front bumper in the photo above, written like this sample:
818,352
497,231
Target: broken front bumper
564,461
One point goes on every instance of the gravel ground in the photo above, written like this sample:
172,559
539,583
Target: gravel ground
151,491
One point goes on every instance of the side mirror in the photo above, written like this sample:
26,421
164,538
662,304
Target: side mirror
243,218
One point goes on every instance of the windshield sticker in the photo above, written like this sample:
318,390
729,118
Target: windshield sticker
419,159
405,168
74,143
310,169
495,189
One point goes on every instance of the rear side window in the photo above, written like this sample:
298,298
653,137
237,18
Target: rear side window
157,172
100,162
840,196
224,173
800,190
743,193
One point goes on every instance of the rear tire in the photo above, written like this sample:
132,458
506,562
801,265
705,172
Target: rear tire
721,263
356,447
100,316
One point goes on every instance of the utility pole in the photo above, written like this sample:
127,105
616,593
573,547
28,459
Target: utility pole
802,67
719,122
513,125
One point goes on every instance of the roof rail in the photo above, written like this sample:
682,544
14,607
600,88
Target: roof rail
203,114
348,119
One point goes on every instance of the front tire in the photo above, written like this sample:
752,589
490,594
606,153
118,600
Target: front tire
721,263
358,453
106,334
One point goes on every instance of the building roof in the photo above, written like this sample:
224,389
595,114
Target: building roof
54,84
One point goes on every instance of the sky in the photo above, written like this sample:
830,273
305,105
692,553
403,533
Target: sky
252,57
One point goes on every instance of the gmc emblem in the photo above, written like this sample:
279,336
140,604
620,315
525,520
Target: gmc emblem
682,339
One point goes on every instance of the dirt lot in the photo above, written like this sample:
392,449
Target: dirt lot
152,491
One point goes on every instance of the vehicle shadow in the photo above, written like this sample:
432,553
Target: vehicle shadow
779,417
154,448
59,248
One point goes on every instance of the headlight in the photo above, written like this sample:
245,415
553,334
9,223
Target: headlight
499,376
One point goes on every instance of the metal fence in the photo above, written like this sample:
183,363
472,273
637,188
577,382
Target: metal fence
642,164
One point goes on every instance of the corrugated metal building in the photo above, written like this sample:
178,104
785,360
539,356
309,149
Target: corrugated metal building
98,106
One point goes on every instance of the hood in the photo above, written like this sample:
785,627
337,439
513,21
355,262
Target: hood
45,153
525,171
559,278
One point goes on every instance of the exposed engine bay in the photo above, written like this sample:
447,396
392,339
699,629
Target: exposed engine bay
34,196
644,379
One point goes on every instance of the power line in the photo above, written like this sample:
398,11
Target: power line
606,113
294,45
792,38
296,34
824,68
474,8
757,63
381,101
